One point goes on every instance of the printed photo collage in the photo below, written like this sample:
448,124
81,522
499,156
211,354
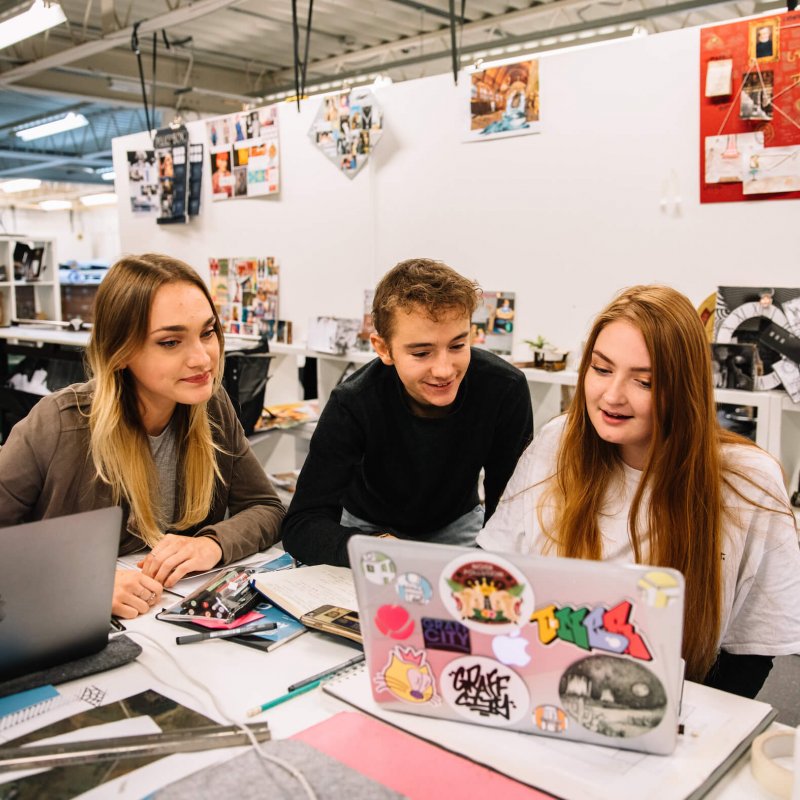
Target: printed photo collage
244,155
245,293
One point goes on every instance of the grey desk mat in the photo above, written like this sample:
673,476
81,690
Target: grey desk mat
249,777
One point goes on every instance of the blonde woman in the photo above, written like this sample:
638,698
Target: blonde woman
153,431
640,471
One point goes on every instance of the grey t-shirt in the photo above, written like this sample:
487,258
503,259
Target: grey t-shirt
164,455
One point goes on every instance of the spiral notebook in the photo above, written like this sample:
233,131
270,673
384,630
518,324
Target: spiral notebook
20,707
576,650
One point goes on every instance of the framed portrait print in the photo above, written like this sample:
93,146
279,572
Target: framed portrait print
764,39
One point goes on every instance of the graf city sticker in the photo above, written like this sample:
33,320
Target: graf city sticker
550,719
414,588
486,593
511,649
612,696
378,567
394,621
482,690
408,676
445,634
658,589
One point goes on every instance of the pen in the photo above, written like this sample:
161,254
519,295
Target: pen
327,673
255,627
282,699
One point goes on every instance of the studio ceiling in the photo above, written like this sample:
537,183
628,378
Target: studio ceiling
213,56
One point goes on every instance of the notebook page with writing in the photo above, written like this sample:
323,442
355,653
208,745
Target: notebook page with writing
718,727
301,590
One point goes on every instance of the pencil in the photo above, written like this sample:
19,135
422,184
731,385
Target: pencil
327,673
282,699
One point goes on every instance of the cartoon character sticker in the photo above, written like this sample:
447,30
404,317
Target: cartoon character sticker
486,594
612,696
378,567
394,621
408,676
482,690
550,719
414,588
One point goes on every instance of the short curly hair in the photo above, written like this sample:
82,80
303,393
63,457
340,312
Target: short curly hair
422,283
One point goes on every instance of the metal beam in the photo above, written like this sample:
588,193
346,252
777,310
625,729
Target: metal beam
116,39
620,19
434,12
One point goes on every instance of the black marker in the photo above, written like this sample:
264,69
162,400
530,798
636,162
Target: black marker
254,627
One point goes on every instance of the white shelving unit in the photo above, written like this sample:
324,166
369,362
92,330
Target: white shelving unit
41,296
778,418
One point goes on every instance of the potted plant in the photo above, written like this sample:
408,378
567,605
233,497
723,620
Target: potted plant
538,346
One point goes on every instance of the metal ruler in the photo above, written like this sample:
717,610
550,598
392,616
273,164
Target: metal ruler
187,740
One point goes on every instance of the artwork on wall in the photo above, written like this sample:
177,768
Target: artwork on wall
244,154
769,318
492,324
750,110
346,128
245,293
143,181
171,152
504,101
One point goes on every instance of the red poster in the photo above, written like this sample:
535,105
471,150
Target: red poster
749,84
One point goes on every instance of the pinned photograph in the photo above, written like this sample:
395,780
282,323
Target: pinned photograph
756,96
764,39
719,77
504,101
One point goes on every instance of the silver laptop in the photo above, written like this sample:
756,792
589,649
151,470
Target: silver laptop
572,649
56,583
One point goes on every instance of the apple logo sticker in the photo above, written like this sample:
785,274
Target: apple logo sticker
511,649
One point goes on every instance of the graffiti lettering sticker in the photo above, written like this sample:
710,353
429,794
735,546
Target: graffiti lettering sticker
486,593
484,691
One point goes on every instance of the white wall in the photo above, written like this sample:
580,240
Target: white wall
564,218
86,235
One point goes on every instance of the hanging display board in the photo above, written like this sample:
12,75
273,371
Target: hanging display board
750,110
244,154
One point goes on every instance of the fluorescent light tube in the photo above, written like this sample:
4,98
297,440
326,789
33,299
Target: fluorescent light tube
55,205
102,199
20,185
66,123
39,17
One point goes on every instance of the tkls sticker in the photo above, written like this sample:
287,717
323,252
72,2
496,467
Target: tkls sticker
598,629
479,688
408,676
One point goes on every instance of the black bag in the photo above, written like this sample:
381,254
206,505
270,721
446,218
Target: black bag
245,381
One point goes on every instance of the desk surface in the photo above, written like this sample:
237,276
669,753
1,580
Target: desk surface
241,677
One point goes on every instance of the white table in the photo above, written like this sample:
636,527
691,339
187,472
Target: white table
242,677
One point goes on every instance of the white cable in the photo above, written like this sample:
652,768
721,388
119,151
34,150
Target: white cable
279,762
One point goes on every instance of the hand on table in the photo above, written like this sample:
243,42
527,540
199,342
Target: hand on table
176,556
134,593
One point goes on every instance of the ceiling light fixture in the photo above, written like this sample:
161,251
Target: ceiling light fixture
55,205
102,199
108,176
69,122
20,185
39,17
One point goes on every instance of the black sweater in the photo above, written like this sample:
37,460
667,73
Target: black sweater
413,475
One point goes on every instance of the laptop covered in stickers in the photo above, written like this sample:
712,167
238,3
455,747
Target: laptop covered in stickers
580,650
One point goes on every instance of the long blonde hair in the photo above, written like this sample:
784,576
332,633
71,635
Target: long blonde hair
119,445
684,469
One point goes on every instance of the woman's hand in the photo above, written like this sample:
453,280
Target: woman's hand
134,593
176,556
